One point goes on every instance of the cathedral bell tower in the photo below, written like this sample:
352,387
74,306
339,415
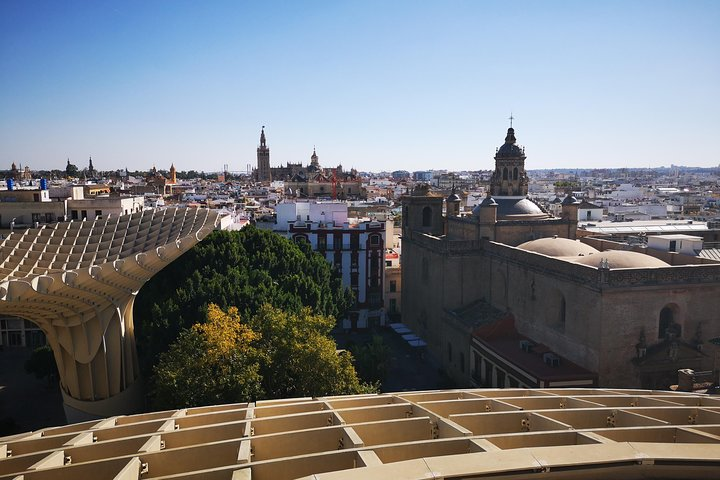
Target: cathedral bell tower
509,178
422,212
263,160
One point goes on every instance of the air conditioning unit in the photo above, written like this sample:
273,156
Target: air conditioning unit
526,345
551,359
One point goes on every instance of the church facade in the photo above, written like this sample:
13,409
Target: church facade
506,296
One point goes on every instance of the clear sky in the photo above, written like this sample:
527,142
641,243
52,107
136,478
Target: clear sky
375,85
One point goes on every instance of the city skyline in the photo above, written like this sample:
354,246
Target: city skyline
373,86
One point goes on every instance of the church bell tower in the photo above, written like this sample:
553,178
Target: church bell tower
509,178
263,160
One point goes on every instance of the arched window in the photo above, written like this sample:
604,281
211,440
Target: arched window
427,217
505,173
667,326
515,173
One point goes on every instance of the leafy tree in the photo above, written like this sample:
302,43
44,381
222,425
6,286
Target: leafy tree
247,269
302,358
212,362
276,354
42,364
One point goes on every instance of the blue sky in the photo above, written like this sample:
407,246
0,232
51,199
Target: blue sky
373,85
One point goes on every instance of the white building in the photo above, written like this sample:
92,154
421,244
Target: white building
102,206
679,243
355,248
589,212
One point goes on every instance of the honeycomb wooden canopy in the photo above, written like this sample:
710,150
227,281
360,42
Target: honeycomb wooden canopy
78,280
480,433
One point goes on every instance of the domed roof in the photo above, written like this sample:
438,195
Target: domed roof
622,259
509,149
558,247
513,208
453,197
570,200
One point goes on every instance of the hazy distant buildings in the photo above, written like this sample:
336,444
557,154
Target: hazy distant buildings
311,181
423,176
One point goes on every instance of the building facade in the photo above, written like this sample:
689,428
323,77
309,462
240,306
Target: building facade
623,318
357,250
26,207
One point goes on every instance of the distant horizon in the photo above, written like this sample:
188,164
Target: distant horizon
549,169
369,84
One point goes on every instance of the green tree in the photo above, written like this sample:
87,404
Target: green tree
247,269
212,362
302,358
276,354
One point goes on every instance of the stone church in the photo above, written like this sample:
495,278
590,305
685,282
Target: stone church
506,296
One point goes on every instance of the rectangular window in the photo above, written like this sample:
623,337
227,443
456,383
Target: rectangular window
393,285
35,217
375,240
84,214
15,339
388,263
48,218
98,213
374,263
393,305
36,197
354,241
322,242
338,261
337,241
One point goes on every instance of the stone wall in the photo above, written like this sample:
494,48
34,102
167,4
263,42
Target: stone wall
605,311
